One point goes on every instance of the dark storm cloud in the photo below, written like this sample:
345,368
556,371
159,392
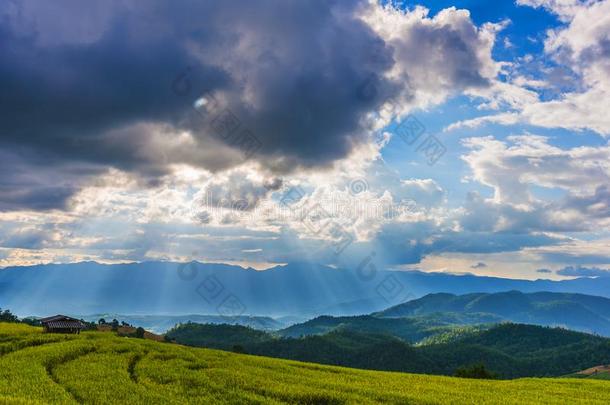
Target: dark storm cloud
544,271
489,242
92,83
578,271
409,243
576,259
63,97
36,198
300,63
595,206
26,185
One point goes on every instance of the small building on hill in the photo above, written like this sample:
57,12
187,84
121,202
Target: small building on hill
61,324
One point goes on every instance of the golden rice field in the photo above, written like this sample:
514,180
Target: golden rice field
101,368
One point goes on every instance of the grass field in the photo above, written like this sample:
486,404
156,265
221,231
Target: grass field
99,367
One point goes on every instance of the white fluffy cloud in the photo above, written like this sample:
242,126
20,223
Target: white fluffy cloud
516,169
435,56
581,45
565,9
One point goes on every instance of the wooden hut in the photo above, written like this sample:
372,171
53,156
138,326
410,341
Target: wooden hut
61,324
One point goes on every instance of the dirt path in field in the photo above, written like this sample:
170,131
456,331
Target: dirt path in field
131,369
595,370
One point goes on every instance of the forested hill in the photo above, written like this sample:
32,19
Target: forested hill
508,350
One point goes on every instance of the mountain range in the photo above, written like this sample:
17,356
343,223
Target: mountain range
573,311
295,289
440,333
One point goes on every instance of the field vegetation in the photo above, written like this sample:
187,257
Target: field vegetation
101,367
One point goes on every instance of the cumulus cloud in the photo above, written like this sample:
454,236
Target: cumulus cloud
518,168
234,190
425,192
575,252
596,205
102,89
582,46
565,9
436,56
511,166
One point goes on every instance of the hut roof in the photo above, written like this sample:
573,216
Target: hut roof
59,318
64,324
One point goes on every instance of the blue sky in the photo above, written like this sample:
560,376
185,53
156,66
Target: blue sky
262,133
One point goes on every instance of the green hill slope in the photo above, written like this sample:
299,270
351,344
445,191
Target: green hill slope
411,329
581,312
508,350
97,367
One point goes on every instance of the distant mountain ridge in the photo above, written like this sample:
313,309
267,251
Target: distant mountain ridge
161,323
301,289
574,311
409,329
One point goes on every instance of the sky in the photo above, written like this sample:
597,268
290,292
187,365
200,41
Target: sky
454,136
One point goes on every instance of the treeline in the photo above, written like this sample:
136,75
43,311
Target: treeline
138,332
7,316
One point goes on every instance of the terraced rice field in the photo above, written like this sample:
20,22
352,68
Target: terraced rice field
99,367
